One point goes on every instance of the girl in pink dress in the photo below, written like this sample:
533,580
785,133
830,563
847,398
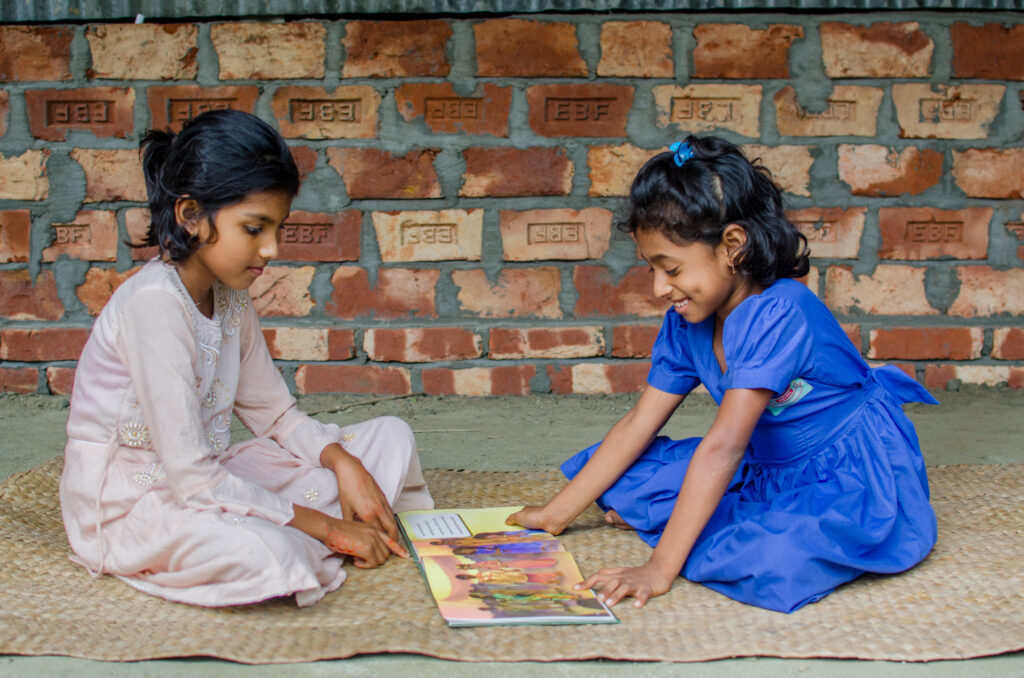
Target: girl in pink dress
152,489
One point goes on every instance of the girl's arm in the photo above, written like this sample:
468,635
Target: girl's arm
626,441
368,546
712,467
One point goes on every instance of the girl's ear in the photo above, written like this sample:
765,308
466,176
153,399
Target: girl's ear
186,214
734,239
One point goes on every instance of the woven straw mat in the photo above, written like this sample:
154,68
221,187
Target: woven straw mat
965,600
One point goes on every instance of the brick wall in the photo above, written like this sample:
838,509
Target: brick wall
454,230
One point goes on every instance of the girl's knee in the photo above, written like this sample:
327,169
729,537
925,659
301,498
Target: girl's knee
398,433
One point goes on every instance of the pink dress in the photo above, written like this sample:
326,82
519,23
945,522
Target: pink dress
152,490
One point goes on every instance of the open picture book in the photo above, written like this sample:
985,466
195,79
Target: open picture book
481,571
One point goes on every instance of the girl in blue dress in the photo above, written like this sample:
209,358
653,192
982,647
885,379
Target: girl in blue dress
811,474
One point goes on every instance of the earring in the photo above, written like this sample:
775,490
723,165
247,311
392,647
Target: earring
732,266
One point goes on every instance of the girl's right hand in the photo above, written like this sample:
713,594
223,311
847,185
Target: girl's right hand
368,546
537,518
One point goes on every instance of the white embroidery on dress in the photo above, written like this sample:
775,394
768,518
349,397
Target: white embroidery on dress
348,437
215,395
218,435
146,478
134,434
231,305
312,495
213,439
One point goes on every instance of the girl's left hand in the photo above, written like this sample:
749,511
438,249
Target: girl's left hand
615,583
360,496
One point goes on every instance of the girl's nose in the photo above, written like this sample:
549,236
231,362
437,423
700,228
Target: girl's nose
268,247
660,285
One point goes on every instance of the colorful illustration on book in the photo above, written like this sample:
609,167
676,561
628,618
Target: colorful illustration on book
481,574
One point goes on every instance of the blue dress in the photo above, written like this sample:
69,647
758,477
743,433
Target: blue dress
832,484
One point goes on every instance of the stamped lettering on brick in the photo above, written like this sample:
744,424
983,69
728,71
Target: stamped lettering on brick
304,234
429,234
69,113
836,110
711,109
948,110
72,234
557,109
935,231
180,110
453,108
325,110
543,234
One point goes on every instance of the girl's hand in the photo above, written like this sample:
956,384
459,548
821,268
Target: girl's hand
359,494
536,518
615,583
368,546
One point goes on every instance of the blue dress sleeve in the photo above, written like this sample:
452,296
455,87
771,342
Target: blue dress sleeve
672,367
768,343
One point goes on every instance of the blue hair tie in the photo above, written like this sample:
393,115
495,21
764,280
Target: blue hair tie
681,152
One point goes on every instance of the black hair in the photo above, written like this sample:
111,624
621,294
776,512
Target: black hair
217,159
716,187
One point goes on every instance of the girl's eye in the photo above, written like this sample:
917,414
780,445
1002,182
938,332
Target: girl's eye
672,271
253,230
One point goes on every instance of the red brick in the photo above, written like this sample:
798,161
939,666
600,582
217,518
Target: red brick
1016,379
421,344
171,106
555,234
593,378
579,110
601,295
988,52
111,175
938,376
848,111
23,177
396,49
519,48
21,298
891,290
428,235
508,172
15,226
636,49
881,50
930,111
99,284
987,292
41,345
296,343
926,343
5,109
398,293
305,160
32,53
269,51
443,110
347,112
738,51
832,232
283,291
929,233
60,380
508,343
613,168
634,341
790,166
315,236
1008,343
880,171
709,107
990,172
853,334
91,236
352,379
479,381
104,111
143,51
517,292
19,380
341,344
375,173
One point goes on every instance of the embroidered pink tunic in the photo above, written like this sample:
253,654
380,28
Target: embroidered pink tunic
152,490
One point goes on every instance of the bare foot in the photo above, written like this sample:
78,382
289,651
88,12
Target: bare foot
615,520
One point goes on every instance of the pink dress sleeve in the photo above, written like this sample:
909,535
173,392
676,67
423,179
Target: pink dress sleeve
266,407
159,349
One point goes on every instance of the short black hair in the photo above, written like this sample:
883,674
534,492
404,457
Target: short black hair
716,187
217,159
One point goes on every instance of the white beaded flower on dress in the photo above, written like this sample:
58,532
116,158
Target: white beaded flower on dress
312,495
146,478
134,434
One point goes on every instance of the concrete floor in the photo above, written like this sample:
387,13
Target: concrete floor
972,426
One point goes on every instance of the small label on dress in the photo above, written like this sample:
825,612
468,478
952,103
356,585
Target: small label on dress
798,388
